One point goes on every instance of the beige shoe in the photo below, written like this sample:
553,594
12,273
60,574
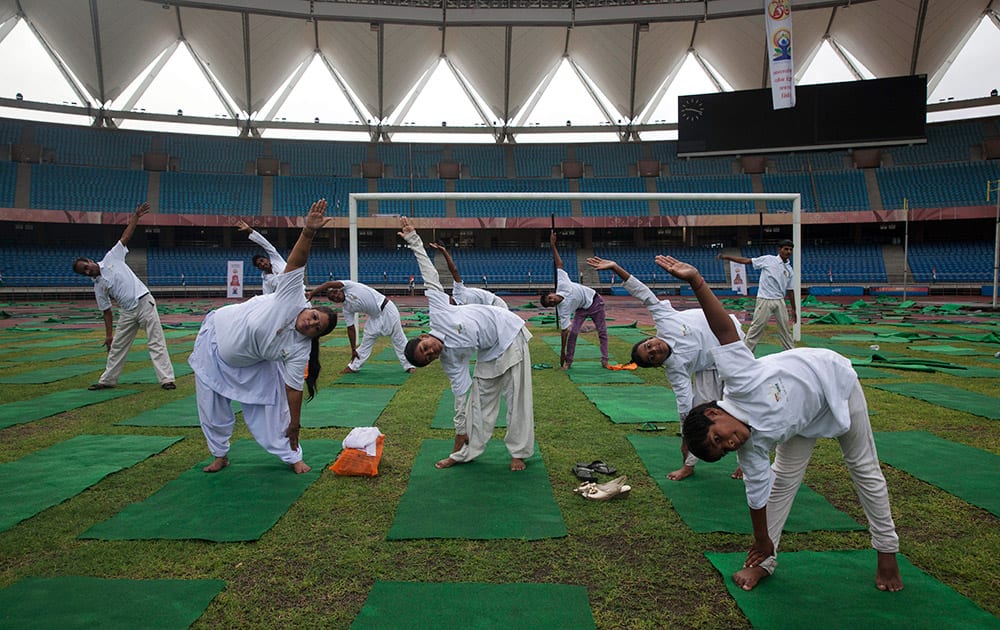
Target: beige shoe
605,491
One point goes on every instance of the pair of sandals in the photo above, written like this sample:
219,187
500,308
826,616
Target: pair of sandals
585,472
614,489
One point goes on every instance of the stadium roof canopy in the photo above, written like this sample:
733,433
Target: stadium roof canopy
502,51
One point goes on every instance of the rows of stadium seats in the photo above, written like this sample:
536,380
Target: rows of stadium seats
950,262
411,208
293,195
483,160
210,193
639,261
945,143
720,184
937,185
58,187
320,158
609,159
24,266
842,263
8,183
512,265
212,154
89,146
512,207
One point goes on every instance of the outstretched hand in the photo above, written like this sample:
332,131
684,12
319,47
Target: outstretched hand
141,209
552,238
437,246
405,227
315,219
677,268
600,263
242,226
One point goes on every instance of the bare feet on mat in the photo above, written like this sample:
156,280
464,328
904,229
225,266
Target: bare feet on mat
516,464
681,473
445,463
737,474
217,464
347,370
460,441
887,576
747,578
300,467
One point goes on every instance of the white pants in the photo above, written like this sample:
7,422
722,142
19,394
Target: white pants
267,423
129,322
509,375
706,386
858,449
762,313
385,325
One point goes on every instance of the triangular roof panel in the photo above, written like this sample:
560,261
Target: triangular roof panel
352,49
534,53
479,54
409,52
277,47
133,34
669,40
217,39
604,53
62,30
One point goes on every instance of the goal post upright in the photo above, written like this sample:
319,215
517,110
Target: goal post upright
795,198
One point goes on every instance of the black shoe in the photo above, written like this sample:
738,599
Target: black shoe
97,386
168,386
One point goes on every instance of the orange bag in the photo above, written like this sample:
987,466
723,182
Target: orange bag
354,462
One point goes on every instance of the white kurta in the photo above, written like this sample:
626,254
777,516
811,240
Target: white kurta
470,295
575,296
269,280
383,321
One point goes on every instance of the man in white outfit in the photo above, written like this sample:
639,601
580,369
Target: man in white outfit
271,265
383,320
503,363
775,281
682,346
461,294
782,403
114,280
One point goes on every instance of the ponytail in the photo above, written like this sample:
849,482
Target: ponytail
312,368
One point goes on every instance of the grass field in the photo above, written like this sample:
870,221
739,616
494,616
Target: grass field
641,566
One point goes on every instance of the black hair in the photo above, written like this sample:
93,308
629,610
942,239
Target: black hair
785,243
257,257
642,362
81,259
544,299
410,352
695,431
313,367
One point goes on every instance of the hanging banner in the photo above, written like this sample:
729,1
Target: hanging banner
738,273
778,16
234,272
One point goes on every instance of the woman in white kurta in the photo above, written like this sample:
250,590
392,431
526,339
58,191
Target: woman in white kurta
262,353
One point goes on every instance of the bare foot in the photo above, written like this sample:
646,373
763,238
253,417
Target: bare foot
604,363
445,463
217,464
748,577
737,474
347,370
300,467
460,441
681,473
565,368
516,464
887,576
411,370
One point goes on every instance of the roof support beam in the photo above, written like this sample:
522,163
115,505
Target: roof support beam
84,98
95,24
246,65
608,116
149,78
918,36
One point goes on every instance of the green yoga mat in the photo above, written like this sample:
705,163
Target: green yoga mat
346,406
836,590
147,375
51,404
176,413
480,500
727,510
948,397
629,335
88,602
634,404
58,355
444,417
387,354
50,476
240,502
55,343
592,373
932,459
954,351
141,354
764,349
336,342
409,605
52,374
869,372
815,341
376,374
584,349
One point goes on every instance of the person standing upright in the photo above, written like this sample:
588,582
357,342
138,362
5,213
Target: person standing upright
775,282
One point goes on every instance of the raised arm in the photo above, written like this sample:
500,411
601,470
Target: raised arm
314,221
133,221
555,252
718,320
735,259
427,271
604,265
258,238
324,288
457,277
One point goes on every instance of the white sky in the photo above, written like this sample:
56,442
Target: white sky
181,86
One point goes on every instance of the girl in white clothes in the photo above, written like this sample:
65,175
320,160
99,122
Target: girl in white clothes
783,403
261,352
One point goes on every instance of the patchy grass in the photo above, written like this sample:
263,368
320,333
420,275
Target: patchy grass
642,567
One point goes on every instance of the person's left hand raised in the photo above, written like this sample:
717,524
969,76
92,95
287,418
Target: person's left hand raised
141,209
316,219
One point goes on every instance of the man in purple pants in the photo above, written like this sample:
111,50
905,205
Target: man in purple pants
574,303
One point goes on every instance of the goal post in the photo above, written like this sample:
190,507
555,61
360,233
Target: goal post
795,198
